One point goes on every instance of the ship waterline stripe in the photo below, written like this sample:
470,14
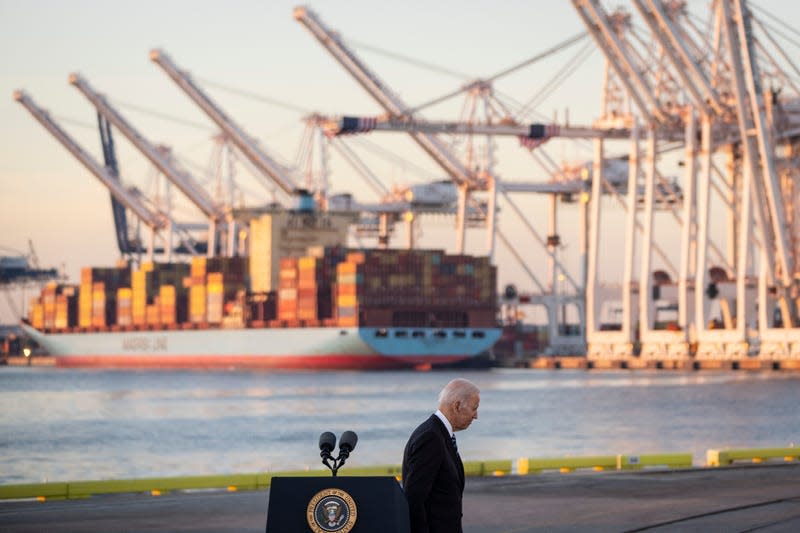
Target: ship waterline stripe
286,362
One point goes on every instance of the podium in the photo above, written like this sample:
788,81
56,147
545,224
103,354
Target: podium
336,505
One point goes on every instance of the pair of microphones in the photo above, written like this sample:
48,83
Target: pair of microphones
327,442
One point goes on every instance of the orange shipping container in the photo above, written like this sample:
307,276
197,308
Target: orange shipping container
198,268
356,257
37,316
124,306
85,305
197,303
346,268
66,315
153,314
307,263
168,314
167,295
347,322
287,263
346,300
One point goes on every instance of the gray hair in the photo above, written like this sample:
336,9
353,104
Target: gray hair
457,390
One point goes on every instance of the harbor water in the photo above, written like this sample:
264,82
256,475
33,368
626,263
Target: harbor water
59,425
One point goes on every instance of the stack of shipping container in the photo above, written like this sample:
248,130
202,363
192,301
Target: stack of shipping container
196,284
287,290
124,306
158,295
97,295
329,286
422,288
316,282
215,285
66,307
56,308
172,295
143,294
226,286
261,309
349,289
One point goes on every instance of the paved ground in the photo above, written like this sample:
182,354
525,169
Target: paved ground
752,498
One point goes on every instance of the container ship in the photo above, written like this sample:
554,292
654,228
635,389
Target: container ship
329,308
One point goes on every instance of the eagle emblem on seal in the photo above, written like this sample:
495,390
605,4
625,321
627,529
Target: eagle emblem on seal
331,511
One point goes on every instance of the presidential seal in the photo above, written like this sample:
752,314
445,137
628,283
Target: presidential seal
331,511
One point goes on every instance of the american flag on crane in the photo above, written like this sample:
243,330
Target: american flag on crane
539,134
350,125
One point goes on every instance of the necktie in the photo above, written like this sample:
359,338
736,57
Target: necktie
453,440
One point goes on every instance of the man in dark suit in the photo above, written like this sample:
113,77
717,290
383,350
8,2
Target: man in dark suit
433,475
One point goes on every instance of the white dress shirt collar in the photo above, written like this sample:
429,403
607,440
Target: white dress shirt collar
445,421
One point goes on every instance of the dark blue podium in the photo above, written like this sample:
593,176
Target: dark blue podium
336,505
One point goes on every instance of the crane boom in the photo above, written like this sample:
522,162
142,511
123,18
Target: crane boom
390,102
665,31
257,156
629,73
153,220
181,178
348,124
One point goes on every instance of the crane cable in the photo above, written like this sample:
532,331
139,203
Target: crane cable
255,96
416,62
550,51
165,116
565,72
779,21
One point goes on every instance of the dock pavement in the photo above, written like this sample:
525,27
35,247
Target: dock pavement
763,498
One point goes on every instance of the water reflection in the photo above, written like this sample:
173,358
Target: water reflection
72,424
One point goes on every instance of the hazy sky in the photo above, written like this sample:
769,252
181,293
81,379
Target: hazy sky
257,47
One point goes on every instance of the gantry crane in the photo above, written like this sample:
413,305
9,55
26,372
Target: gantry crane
530,136
283,177
389,101
623,62
681,96
214,212
466,180
672,92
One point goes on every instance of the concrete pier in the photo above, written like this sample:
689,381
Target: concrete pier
635,363
761,497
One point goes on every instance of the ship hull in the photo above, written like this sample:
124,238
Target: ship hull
306,348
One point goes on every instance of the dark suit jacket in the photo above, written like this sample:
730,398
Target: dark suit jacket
433,479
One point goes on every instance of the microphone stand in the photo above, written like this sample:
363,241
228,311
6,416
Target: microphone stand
326,460
334,463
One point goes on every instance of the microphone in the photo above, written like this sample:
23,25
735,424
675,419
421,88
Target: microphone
327,441
347,443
